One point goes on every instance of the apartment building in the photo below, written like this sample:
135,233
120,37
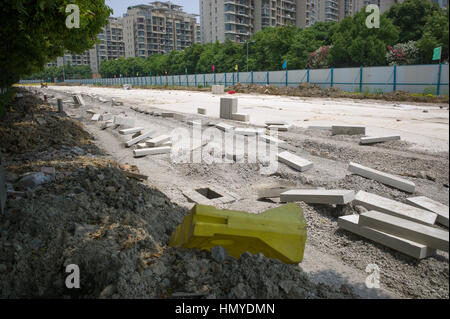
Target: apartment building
239,19
111,44
158,28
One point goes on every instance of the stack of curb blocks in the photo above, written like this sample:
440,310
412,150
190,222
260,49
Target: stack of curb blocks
229,110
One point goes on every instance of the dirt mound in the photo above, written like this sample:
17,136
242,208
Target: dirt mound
117,230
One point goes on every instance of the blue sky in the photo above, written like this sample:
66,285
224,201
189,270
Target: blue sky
120,6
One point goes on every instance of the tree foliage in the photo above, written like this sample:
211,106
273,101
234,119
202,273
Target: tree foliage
356,45
59,73
34,33
411,16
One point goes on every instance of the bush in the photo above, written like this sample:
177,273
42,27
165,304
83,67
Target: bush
403,53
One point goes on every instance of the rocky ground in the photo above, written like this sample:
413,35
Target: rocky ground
116,228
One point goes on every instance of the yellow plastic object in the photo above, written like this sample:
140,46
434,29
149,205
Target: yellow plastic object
277,233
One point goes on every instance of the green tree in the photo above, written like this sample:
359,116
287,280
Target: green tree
435,34
307,41
34,33
356,45
411,16
271,46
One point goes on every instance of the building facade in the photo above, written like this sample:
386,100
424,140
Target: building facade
239,19
111,44
158,28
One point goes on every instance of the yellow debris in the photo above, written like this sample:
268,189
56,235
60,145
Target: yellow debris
277,233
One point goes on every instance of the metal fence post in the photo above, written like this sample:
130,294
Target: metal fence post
204,80
214,78
195,79
251,77
268,82
179,79
225,79
332,73
287,78
360,78
238,77
438,89
395,78
233,78
307,75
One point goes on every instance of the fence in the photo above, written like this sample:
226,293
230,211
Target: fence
429,78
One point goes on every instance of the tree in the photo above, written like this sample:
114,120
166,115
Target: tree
411,16
271,46
34,33
356,45
307,41
435,34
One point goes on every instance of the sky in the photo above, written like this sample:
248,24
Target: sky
120,6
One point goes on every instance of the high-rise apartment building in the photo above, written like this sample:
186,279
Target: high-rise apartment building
111,44
239,19
158,28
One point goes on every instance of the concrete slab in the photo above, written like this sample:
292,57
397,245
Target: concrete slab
228,106
201,110
378,139
106,125
151,151
280,128
275,122
218,89
106,117
348,130
95,117
139,138
428,204
132,130
167,114
78,99
385,178
271,191
224,127
319,127
294,161
271,139
426,235
240,117
156,141
247,131
385,205
351,223
318,196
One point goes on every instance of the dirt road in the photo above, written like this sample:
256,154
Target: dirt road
332,255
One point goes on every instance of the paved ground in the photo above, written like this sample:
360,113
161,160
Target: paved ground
429,131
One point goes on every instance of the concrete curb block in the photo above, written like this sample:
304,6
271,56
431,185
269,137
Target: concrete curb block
382,177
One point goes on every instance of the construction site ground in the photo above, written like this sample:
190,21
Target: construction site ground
335,261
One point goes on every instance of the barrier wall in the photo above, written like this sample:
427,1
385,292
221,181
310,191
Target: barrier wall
429,78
